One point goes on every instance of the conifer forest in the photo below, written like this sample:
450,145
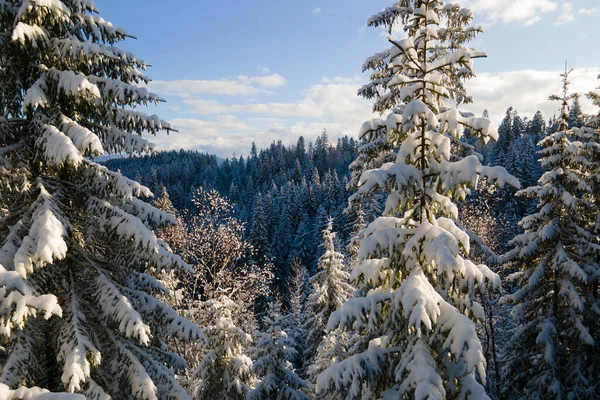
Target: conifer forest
429,254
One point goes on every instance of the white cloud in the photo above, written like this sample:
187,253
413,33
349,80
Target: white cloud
240,86
333,96
586,11
225,129
527,91
317,11
566,16
273,80
526,12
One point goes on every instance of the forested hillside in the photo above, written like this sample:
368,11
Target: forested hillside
283,194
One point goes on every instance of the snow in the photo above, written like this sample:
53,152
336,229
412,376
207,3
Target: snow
35,95
130,227
118,307
173,325
84,139
147,213
116,91
122,186
421,373
77,352
371,125
21,301
23,32
56,7
417,113
35,393
45,242
141,382
74,84
58,147
131,143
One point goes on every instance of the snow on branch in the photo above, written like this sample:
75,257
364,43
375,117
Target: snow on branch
35,95
18,301
119,92
55,7
35,393
76,349
73,84
33,33
128,226
148,214
45,241
85,140
142,385
351,372
171,324
118,141
58,148
115,183
116,306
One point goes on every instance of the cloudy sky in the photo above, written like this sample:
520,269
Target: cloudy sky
239,71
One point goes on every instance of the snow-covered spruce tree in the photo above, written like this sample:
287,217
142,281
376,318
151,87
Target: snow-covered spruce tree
272,365
590,137
594,96
296,315
225,371
77,311
419,308
556,258
330,291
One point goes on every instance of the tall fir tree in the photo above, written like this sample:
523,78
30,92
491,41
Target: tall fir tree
225,370
575,113
284,269
272,355
330,290
259,236
419,307
79,251
555,257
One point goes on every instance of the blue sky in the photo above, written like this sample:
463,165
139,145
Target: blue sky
239,71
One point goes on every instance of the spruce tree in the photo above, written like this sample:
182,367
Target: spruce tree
79,251
330,291
419,307
259,235
556,260
284,270
575,113
272,365
303,243
225,371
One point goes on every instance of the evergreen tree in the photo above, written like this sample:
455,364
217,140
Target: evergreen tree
272,365
320,222
79,249
501,150
284,271
296,316
330,291
259,235
555,260
225,371
575,113
537,126
303,243
420,326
